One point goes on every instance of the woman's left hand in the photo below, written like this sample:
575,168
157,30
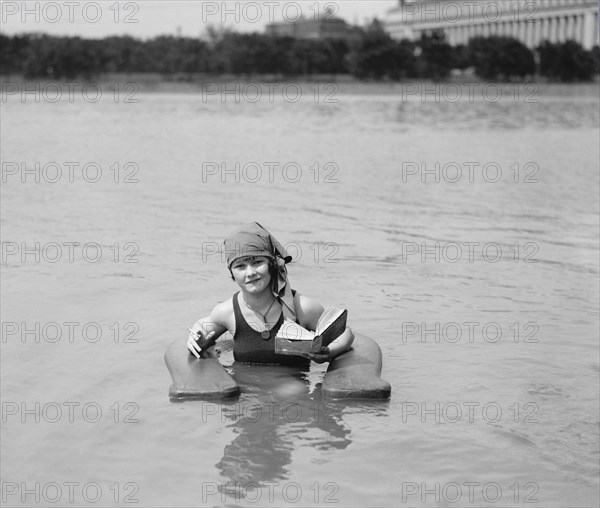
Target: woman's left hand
324,355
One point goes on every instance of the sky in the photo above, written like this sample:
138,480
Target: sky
149,18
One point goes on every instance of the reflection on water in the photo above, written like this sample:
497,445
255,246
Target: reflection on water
280,411
275,416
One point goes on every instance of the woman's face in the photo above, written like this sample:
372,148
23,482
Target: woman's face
251,273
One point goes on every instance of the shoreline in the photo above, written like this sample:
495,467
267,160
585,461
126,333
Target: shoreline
264,84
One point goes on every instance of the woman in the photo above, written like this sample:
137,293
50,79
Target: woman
256,261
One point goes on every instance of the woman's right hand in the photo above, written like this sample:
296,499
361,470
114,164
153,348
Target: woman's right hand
193,342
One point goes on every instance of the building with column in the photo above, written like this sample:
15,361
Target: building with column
530,21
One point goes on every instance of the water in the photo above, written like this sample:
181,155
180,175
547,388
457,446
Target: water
474,417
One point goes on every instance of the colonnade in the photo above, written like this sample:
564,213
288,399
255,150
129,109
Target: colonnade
530,21
581,27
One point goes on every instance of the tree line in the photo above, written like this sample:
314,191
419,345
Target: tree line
371,55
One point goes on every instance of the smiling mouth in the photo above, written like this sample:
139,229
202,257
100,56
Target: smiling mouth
252,281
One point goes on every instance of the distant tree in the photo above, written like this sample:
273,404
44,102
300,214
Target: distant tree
280,59
12,53
501,58
169,55
460,57
373,54
376,55
6,62
338,55
566,61
125,54
62,57
218,40
242,54
436,58
596,57
308,57
235,53
404,64
305,57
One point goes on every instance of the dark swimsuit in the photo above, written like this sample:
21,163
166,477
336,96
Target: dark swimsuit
250,347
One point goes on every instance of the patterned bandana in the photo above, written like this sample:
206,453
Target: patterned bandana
254,240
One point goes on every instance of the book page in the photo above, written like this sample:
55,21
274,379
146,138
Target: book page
330,314
293,331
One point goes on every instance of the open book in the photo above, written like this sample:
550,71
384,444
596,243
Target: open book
293,339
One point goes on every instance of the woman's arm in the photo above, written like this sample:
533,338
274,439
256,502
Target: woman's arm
209,329
309,311
341,344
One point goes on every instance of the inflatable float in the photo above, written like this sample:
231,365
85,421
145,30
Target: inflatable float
354,374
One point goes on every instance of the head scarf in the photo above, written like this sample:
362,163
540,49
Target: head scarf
254,240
